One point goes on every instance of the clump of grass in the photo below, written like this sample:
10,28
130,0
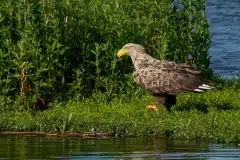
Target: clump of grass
227,99
124,116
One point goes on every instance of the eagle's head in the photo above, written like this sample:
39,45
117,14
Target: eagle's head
137,53
132,50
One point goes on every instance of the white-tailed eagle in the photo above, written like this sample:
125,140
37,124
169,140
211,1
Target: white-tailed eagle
164,79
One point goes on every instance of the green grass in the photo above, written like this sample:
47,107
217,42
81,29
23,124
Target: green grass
210,116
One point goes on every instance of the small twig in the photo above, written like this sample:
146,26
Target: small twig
23,79
25,11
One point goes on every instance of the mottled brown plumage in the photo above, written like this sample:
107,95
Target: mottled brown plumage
165,79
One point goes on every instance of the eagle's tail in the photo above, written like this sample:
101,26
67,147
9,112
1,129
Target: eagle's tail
203,88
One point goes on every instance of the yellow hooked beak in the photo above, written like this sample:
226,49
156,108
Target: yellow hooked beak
122,52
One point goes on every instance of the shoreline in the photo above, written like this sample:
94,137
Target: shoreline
67,134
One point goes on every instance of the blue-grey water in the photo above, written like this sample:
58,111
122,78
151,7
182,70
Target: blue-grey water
36,147
224,19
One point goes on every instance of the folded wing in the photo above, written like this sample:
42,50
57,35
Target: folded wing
170,78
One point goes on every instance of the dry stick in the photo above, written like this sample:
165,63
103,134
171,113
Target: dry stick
25,11
45,12
22,73
23,79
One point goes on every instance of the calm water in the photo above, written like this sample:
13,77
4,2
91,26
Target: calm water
224,19
31,147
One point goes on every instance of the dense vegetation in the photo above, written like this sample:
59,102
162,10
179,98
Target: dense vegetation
65,50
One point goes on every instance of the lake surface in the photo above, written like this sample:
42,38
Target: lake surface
224,19
33,147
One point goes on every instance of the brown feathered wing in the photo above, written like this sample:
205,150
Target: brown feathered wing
168,77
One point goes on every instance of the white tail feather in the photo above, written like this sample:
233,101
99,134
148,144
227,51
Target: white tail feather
203,87
198,90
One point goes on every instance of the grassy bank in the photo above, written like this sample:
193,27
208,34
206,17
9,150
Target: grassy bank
65,50
210,116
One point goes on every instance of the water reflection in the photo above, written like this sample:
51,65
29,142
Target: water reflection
31,147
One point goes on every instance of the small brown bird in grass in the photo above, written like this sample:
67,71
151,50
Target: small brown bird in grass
164,79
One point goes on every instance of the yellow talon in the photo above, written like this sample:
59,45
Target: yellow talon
153,108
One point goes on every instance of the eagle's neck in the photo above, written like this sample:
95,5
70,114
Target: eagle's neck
141,60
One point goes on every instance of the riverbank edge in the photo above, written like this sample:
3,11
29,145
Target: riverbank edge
215,126
67,134
208,116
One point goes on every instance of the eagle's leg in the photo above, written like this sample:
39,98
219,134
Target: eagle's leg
170,100
159,100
